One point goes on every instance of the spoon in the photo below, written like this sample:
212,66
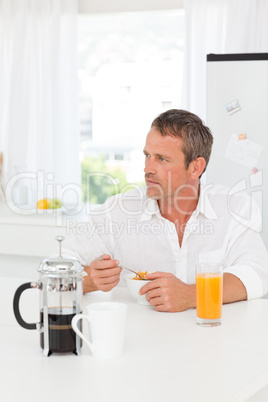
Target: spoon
134,272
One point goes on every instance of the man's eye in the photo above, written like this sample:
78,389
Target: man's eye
146,155
162,159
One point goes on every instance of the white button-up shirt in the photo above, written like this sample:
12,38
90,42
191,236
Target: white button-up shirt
224,228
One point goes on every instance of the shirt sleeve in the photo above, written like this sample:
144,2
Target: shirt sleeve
247,256
86,241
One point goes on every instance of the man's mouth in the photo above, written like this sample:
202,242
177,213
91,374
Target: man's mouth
150,182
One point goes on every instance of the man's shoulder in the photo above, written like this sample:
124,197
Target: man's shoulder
132,199
221,191
234,199
216,189
137,194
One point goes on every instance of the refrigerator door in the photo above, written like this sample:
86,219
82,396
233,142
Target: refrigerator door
237,114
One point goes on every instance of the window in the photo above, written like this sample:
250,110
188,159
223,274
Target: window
130,70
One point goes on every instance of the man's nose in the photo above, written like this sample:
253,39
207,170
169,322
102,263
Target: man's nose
150,166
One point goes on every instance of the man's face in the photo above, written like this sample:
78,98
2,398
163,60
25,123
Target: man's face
165,172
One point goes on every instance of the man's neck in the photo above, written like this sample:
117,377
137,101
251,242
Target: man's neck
181,208
178,215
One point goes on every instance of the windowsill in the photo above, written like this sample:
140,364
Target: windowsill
34,235
107,6
50,217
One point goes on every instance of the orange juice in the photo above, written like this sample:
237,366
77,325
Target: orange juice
208,295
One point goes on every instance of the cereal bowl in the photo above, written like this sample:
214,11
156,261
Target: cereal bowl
134,286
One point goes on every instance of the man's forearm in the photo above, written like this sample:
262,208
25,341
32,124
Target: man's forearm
233,289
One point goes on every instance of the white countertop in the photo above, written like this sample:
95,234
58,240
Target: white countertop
167,356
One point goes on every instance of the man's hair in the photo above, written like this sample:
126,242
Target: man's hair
197,138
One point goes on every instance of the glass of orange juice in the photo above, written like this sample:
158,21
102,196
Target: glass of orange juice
208,294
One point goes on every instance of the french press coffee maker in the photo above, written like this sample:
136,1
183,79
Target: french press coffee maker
61,291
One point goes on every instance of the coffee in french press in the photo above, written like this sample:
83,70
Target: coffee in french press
61,292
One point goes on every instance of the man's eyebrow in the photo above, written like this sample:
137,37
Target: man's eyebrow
157,155
162,156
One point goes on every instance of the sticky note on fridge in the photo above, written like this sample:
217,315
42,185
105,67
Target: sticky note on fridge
245,152
242,136
232,107
256,179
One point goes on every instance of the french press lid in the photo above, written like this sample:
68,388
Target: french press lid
59,266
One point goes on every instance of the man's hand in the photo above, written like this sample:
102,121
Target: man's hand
102,274
168,293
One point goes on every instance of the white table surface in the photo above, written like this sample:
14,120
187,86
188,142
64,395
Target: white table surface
167,358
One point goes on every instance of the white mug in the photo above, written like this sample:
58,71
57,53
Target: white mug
107,325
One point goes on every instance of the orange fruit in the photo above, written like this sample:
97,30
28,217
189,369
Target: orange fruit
43,204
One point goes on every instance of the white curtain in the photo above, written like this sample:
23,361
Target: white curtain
38,90
219,26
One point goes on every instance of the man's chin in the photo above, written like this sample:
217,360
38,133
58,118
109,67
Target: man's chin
153,193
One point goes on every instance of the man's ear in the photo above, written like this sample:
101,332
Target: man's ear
197,167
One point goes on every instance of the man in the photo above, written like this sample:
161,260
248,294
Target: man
174,223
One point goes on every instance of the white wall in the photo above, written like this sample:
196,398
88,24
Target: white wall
110,6
20,267
247,82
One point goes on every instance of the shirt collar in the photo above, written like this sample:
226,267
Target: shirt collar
150,208
204,206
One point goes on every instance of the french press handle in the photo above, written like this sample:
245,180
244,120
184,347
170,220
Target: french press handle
16,300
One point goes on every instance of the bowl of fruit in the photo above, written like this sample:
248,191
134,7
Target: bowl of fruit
49,203
134,283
